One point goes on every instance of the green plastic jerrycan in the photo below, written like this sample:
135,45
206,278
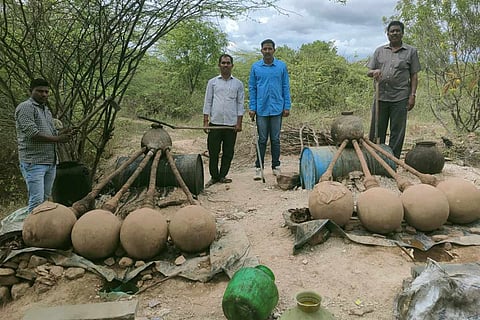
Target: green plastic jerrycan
251,294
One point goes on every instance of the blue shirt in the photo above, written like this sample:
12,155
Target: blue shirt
269,88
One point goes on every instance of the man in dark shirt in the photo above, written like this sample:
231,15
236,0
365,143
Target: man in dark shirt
37,139
395,66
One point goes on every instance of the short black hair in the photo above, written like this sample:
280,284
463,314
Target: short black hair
225,55
38,82
396,23
267,41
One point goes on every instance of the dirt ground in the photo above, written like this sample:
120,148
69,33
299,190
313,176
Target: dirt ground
355,281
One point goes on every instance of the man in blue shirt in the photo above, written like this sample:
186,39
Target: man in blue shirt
269,93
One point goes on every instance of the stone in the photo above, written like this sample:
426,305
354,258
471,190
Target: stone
122,310
26,274
7,277
4,295
74,273
180,260
109,261
410,230
439,237
36,261
125,262
10,264
147,277
19,290
48,281
139,263
40,288
23,264
56,271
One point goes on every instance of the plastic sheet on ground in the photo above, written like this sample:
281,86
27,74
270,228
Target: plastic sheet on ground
228,253
318,231
436,294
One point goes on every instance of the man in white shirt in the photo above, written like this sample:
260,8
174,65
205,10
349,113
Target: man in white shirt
224,107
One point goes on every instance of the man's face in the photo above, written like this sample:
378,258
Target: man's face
268,50
40,94
395,33
225,65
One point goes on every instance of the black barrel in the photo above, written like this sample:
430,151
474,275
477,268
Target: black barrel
190,167
72,183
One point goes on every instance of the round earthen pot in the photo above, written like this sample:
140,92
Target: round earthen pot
347,126
380,210
144,233
463,199
425,157
331,200
49,226
192,229
426,207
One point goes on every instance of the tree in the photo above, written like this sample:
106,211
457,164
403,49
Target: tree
89,52
447,34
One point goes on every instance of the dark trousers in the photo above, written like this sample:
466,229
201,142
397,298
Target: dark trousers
394,113
220,140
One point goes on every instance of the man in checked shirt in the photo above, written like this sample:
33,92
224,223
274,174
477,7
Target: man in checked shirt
37,139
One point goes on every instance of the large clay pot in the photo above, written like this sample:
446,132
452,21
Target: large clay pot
425,157
347,126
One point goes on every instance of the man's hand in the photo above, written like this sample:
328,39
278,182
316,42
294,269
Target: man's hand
238,127
252,115
375,74
411,103
286,113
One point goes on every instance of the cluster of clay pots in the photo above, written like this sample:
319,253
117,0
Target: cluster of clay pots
143,234
425,206
97,234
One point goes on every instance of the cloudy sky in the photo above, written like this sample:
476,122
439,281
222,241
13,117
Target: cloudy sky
356,28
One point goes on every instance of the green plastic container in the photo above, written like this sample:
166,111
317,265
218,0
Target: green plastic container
251,294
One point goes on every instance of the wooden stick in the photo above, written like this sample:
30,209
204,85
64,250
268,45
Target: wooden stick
328,173
402,183
424,178
150,196
83,205
370,181
377,110
111,205
157,282
177,175
186,127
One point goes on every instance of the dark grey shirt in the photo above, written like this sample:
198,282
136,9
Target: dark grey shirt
32,118
396,68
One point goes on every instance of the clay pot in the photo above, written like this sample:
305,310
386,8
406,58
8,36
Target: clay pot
425,157
192,229
380,210
331,200
49,226
347,126
96,234
463,199
156,138
426,207
144,233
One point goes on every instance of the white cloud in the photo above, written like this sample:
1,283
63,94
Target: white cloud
356,28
